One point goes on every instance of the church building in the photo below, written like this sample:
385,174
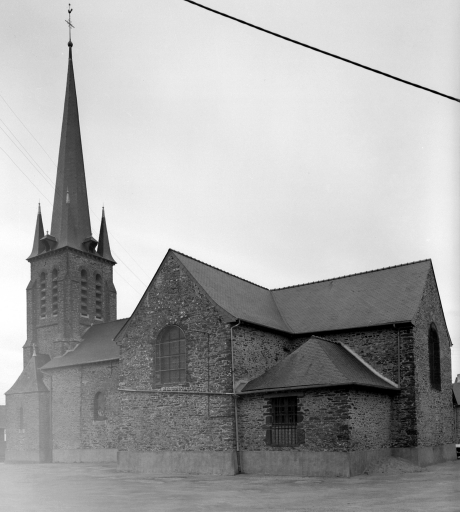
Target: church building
213,374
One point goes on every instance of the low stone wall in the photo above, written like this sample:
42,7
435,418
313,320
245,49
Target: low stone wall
173,462
85,455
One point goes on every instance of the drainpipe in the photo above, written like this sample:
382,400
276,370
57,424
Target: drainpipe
399,355
237,436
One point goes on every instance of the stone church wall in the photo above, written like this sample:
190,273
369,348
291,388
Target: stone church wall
27,440
78,436
331,420
433,407
171,418
379,348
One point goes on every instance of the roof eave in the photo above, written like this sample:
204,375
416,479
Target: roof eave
318,386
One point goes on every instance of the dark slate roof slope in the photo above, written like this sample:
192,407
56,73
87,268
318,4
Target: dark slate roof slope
379,297
241,299
31,379
315,364
456,391
361,300
97,346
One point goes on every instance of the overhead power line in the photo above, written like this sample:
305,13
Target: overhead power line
323,51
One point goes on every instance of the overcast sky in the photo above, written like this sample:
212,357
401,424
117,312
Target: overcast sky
265,159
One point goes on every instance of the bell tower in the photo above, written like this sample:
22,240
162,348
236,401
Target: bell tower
71,286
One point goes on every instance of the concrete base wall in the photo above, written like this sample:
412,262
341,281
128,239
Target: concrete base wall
25,456
85,455
426,455
324,464
189,462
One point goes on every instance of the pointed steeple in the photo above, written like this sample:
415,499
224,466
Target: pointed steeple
103,249
38,246
70,224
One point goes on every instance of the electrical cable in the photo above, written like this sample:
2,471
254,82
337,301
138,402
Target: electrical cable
323,51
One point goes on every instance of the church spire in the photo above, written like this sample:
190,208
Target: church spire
70,224
38,246
103,249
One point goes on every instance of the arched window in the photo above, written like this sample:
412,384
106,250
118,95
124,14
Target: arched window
98,296
84,293
434,357
170,355
99,406
43,294
54,293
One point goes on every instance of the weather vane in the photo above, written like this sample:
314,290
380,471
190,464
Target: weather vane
70,25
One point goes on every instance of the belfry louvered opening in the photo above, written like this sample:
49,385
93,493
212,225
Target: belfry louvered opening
43,294
84,293
98,296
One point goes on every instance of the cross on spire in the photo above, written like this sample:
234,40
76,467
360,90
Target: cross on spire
69,22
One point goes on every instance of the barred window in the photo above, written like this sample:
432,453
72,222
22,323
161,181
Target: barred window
98,296
84,293
170,355
284,421
99,406
43,294
54,293
434,357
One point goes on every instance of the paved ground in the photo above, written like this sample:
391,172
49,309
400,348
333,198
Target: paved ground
89,488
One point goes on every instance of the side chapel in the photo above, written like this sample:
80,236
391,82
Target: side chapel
214,374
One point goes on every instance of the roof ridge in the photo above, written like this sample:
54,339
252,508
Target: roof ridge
350,275
220,270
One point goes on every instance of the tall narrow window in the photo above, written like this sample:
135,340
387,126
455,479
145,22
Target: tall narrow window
84,293
284,421
98,296
43,294
54,293
99,406
434,357
21,419
170,355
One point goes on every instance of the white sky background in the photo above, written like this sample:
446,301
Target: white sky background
265,159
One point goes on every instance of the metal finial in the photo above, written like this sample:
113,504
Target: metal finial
39,207
103,211
69,22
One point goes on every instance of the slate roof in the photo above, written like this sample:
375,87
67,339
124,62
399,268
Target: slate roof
97,346
378,297
319,363
31,379
456,392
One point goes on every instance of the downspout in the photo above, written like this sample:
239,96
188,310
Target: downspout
399,355
238,458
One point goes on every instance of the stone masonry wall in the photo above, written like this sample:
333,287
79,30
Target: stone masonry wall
256,350
379,348
100,377
334,420
433,407
29,441
66,406
74,391
152,418
370,420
